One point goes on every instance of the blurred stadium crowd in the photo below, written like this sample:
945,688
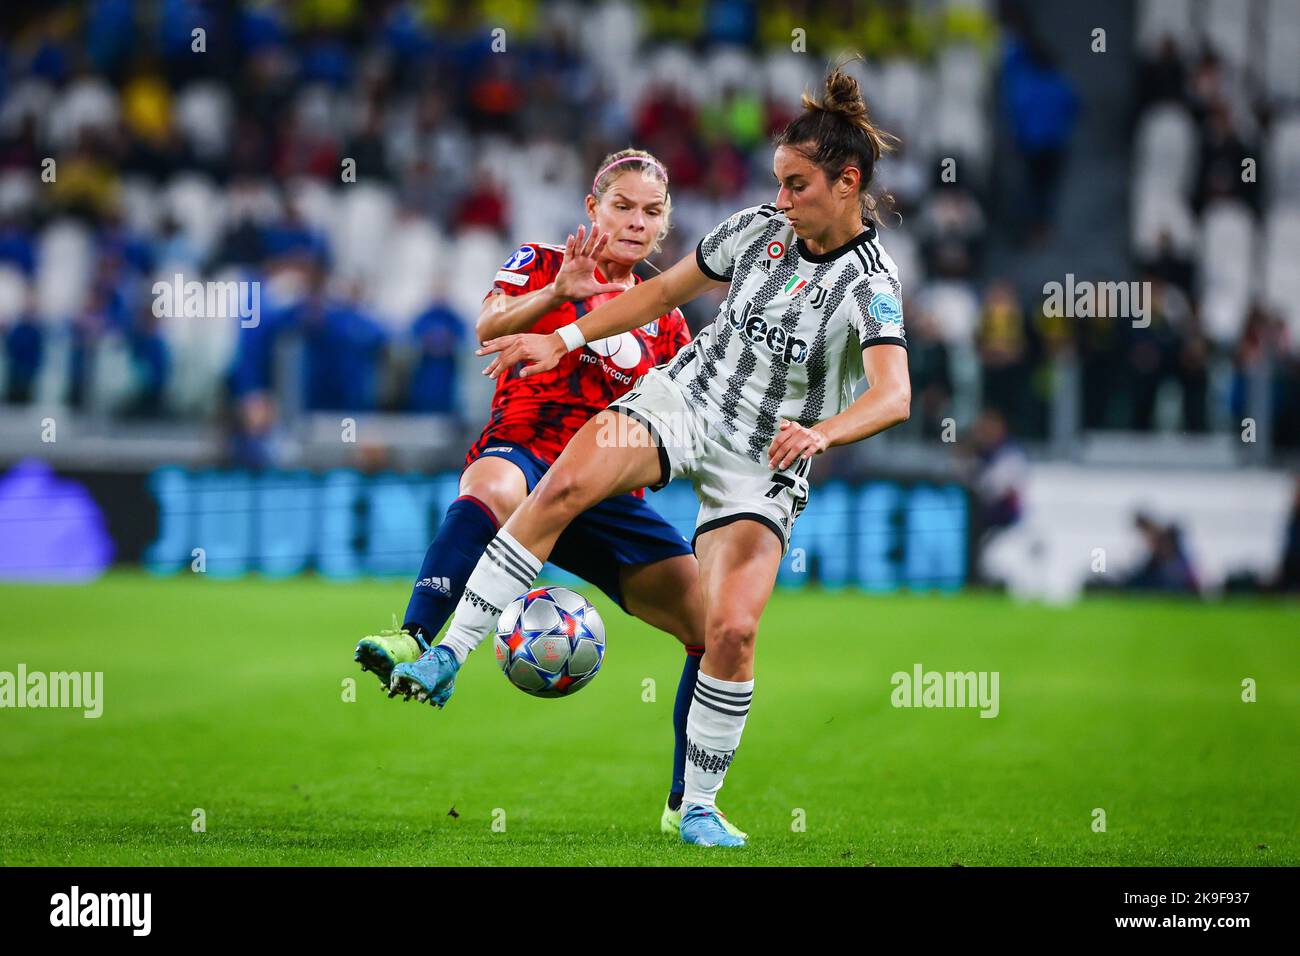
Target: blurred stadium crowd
473,127
1216,204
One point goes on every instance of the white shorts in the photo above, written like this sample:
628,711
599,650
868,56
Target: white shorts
729,485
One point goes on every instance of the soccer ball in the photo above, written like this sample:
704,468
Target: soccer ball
550,642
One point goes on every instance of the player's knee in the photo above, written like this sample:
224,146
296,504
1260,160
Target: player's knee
562,492
499,495
733,635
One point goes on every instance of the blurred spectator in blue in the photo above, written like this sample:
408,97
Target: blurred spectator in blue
343,346
24,348
438,332
292,236
1041,106
1167,566
108,308
16,247
150,366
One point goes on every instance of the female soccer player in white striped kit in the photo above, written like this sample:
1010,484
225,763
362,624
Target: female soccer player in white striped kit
813,302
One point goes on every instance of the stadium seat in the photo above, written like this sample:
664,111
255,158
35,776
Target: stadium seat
1281,38
28,98
413,256
729,67
14,290
903,250
1281,278
362,221
476,255
199,207
955,309
611,35
316,202
1226,268
1159,18
200,351
1227,27
902,100
1166,147
65,263
1281,166
1157,210
786,75
141,205
87,103
674,67
204,113
19,191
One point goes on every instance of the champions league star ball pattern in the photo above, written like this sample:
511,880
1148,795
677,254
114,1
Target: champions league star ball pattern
550,642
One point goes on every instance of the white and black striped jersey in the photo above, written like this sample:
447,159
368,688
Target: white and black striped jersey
788,340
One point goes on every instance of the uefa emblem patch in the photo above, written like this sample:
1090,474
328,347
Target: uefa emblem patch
885,309
520,258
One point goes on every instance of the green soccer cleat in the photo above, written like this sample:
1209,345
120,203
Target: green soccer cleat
380,653
671,823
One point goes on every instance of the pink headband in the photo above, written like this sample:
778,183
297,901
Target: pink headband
629,159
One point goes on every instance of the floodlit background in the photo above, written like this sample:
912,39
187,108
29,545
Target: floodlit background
369,165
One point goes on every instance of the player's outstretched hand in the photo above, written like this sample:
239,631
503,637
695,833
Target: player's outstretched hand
576,279
543,351
793,441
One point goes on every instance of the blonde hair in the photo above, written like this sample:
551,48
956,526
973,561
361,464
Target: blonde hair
636,161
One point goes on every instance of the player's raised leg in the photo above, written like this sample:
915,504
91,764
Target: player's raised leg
586,473
738,567
491,488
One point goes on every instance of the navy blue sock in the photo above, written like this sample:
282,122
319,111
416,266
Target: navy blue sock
685,691
462,538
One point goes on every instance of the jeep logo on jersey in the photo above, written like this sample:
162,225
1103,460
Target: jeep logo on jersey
520,257
778,340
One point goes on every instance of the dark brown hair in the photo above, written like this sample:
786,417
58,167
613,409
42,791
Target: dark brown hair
834,131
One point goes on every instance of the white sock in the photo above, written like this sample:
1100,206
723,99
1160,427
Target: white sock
713,728
506,570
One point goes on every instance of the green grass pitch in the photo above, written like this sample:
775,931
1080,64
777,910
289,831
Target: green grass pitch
229,696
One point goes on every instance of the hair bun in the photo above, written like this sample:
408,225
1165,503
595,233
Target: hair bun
843,96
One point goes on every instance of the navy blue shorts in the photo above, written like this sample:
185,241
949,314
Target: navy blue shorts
620,531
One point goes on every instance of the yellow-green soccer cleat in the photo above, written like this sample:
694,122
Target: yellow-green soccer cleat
671,822
380,653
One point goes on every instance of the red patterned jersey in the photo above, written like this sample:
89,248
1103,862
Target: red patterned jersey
543,411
